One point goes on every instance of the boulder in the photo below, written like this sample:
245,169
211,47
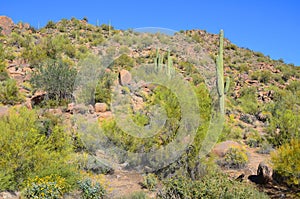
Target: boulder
100,107
124,77
221,148
263,174
6,24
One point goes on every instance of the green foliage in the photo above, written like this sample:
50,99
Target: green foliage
286,162
235,157
150,182
136,195
253,139
51,25
103,87
262,76
26,152
9,92
55,78
48,187
211,186
248,101
90,190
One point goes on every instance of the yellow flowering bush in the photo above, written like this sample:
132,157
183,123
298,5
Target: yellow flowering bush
286,163
48,187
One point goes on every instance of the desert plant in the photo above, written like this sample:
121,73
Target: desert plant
9,92
91,190
55,78
215,185
220,76
48,187
286,162
150,182
22,144
236,157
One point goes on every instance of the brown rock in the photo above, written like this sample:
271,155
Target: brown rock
70,107
55,111
100,107
263,174
124,77
28,104
3,111
91,109
38,98
6,24
221,148
105,115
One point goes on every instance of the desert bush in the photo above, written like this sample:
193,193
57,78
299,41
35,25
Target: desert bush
25,152
51,25
253,139
210,186
136,195
91,190
248,100
286,162
150,182
235,157
48,187
265,148
55,78
9,92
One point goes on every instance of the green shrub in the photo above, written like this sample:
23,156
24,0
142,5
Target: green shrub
248,100
209,187
253,139
136,195
236,157
286,162
48,187
27,152
55,78
150,182
9,92
3,71
90,190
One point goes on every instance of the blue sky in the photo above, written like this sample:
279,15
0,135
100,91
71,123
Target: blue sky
271,27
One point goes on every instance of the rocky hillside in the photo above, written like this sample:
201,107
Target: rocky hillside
262,103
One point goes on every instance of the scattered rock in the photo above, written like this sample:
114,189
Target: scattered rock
10,195
70,107
221,148
91,109
100,107
38,98
124,77
263,174
6,24
80,109
55,111
107,114
28,104
3,111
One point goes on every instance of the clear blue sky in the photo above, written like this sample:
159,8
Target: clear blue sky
269,26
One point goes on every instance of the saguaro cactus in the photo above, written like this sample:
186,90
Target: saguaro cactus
220,76
159,66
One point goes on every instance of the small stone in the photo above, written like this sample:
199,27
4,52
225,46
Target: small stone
100,107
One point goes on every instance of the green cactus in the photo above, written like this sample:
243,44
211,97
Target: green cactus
220,76
159,66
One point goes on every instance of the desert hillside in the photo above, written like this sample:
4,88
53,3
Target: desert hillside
85,111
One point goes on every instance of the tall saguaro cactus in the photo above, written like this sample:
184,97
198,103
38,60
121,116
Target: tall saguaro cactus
220,75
